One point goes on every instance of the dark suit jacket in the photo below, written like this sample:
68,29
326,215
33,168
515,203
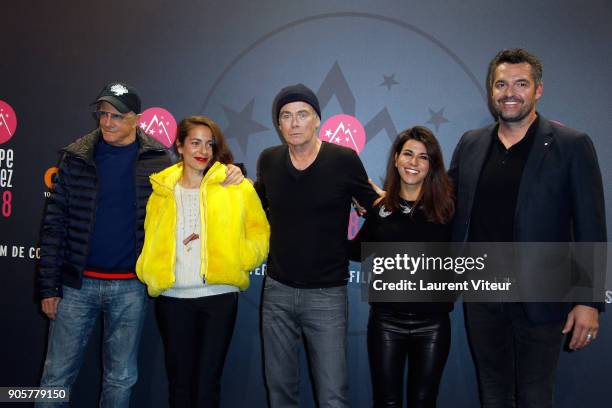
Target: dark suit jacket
560,197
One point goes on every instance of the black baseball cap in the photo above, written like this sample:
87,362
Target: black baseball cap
121,95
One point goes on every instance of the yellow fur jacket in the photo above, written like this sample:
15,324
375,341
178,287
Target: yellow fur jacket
235,231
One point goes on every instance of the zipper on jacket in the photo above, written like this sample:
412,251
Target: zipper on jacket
95,210
203,229
204,225
136,188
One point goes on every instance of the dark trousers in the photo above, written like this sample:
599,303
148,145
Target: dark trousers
515,359
196,334
393,339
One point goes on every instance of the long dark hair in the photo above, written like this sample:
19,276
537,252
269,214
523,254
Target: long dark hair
436,199
221,151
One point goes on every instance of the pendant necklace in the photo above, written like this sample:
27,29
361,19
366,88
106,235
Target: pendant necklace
407,208
188,222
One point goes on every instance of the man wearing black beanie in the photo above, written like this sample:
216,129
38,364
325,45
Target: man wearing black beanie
306,187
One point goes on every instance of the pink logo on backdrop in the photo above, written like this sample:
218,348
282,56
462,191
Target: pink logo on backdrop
344,130
8,122
159,124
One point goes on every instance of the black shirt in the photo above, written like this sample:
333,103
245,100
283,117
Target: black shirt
380,226
309,213
492,218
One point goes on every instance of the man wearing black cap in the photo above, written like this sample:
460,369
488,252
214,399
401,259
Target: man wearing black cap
91,236
306,187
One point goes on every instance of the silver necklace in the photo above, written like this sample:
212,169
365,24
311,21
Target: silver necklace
407,208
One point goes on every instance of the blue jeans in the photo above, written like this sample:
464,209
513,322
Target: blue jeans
122,304
320,317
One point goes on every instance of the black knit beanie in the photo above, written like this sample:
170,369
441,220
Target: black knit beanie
295,93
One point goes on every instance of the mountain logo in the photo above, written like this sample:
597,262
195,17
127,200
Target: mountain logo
8,122
344,130
159,124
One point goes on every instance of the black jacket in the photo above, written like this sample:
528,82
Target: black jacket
560,196
70,212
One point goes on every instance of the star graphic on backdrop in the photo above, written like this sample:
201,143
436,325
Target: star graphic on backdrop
241,125
437,118
389,81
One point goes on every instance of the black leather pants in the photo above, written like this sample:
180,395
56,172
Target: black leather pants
396,337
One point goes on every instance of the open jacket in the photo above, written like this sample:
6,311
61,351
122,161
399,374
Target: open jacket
71,209
560,197
234,237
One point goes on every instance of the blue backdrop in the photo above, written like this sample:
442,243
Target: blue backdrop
390,64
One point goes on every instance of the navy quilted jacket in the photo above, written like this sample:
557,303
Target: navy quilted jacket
69,215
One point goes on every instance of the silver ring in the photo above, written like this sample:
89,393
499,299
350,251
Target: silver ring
589,337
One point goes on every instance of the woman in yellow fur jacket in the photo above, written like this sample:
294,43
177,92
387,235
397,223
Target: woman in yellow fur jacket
201,240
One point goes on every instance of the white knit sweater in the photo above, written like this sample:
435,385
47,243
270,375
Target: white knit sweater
188,283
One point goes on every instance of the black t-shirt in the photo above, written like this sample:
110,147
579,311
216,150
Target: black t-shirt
308,211
399,226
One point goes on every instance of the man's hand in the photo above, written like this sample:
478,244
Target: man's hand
233,176
585,323
381,194
49,306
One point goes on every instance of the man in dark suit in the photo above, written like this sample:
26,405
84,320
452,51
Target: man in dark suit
525,179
